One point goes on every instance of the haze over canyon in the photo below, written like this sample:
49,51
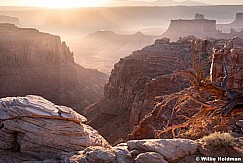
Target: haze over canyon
142,82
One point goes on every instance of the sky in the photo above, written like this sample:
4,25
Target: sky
94,3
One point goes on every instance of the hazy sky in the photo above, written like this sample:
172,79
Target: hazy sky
96,2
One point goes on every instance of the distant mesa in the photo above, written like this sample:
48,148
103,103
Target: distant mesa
239,18
9,19
202,28
199,27
237,24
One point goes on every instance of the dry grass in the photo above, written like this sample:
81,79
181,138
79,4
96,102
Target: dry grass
217,140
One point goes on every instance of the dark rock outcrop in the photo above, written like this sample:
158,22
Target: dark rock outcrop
133,85
33,128
232,55
38,63
141,81
161,117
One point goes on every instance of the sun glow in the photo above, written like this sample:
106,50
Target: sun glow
64,3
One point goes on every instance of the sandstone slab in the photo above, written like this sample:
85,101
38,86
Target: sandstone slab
170,149
38,127
150,157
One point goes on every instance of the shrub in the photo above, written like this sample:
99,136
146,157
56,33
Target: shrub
218,139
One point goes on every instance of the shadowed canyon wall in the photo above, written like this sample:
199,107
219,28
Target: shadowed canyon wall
139,82
133,84
38,63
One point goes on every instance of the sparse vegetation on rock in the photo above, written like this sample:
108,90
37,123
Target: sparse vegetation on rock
212,103
218,140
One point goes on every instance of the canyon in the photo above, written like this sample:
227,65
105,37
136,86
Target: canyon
102,49
96,50
133,84
141,81
121,117
36,63
33,129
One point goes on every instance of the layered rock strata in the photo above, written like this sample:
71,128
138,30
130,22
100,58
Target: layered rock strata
38,63
142,80
35,129
226,53
133,85
231,56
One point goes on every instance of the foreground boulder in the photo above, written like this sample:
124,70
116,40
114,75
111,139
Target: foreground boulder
34,126
139,151
171,149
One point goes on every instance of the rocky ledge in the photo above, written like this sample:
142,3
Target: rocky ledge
134,83
136,151
34,128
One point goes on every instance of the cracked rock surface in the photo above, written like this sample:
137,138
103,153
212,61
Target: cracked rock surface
40,129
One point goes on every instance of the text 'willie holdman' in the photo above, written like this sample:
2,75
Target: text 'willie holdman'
220,159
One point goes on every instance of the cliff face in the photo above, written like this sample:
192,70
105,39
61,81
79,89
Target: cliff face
133,84
162,117
142,80
38,63
22,47
232,54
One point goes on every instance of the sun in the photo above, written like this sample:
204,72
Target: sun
64,3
